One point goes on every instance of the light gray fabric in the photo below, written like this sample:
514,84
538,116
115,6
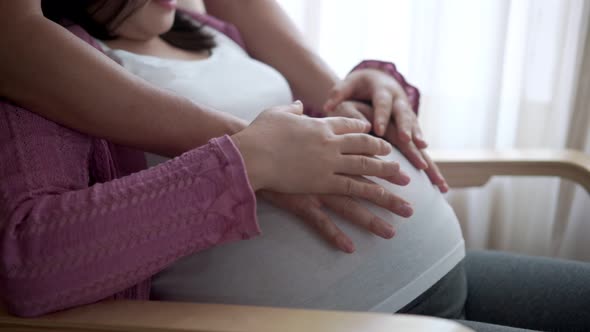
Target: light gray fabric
495,290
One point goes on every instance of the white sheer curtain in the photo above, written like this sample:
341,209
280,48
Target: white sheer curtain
493,74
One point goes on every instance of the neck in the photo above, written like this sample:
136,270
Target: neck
143,46
156,47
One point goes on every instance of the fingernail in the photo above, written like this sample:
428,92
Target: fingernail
406,210
424,165
381,128
405,178
297,102
345,244
387,232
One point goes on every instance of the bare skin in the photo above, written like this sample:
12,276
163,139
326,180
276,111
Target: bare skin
154,120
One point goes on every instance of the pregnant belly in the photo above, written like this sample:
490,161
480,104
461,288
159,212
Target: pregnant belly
290,265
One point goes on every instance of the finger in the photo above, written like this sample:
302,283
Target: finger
340,125
350,109
400,178
382,100
291,202
434,174
362,188
368,166
308,208
364,109
295,108
328,230
419,138
351,210
342,91
363,144
409,150
404,118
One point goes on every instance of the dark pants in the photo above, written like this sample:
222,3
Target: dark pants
493,291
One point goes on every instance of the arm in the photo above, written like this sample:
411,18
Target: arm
65,244
48,70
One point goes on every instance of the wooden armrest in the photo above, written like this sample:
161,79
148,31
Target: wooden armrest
144,316
475,168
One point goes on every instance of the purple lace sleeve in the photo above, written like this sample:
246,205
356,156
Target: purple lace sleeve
66,242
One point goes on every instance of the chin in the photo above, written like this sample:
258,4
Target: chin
151,20
164,27
155,25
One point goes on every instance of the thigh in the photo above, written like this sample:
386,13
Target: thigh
445,299
529,292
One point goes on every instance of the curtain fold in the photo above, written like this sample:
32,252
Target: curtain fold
493,74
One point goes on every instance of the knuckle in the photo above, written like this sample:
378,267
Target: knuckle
379,193
366,141
302,206
349,187
325,139
401,102
323,223
374,224
383,146
394,201
348,203
382,103
394,167
349,124
364,162
326,227
354,124
307,214
385,168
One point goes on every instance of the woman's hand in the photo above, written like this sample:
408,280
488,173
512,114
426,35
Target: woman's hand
290,153
391,115
309,209
388,99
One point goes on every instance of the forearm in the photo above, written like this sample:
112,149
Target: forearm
272,38
66,244
58,76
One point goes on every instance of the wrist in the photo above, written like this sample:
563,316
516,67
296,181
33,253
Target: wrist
236,125
251,164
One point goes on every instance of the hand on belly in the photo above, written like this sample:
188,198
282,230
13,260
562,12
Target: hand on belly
311,209
291,265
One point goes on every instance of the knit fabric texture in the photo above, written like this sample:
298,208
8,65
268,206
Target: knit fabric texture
82,220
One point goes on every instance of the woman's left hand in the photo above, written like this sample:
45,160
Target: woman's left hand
388,99
416,155
309,209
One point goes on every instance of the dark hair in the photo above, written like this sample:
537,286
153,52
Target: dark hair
101,17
